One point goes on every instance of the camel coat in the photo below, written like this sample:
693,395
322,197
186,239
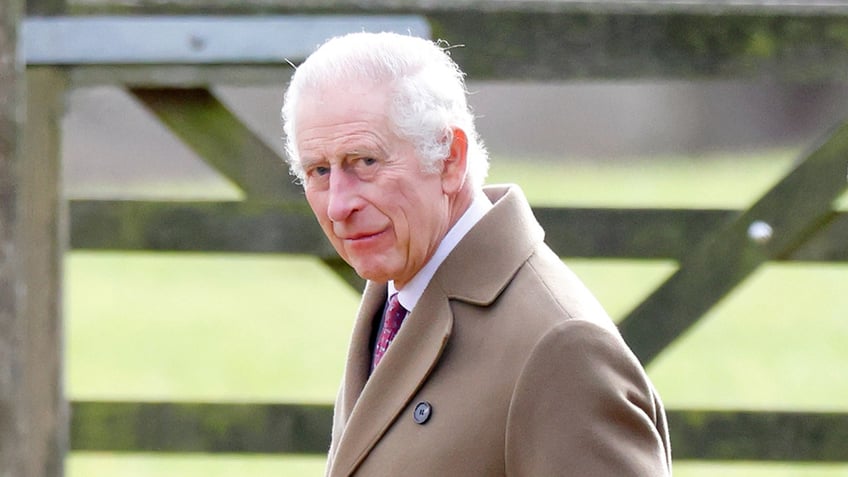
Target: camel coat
515,369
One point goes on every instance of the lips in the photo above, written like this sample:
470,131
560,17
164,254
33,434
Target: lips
355,236
362,236
363,243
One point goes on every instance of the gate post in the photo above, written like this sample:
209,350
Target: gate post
33,410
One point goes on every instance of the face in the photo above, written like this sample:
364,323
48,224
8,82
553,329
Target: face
383,215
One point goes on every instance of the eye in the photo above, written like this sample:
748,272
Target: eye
317,170
317,174
365,167
361,162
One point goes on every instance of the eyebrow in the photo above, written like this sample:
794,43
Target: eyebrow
307,162
358,150
363,152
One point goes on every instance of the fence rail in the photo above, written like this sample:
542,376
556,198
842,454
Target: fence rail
250,227
305,429
511,40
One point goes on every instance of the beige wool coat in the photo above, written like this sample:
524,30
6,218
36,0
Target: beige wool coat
521,370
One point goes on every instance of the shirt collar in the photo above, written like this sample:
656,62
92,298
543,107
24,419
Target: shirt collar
411,293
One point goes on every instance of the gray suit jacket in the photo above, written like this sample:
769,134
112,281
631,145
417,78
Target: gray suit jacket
523,371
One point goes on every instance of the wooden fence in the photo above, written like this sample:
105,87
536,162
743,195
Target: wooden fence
716,249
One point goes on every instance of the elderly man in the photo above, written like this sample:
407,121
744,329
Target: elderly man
475,351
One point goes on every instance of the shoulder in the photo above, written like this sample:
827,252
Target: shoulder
548,287
588,358
582,401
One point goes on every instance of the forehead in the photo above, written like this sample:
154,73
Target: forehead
343,117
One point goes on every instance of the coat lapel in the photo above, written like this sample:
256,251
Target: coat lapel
359,358
370,405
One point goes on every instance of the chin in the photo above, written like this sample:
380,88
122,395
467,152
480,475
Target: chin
371,274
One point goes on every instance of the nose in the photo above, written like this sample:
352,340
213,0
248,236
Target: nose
344,199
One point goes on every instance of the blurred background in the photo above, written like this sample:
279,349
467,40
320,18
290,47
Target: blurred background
167,326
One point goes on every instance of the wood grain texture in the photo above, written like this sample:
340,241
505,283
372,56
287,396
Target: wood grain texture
13,414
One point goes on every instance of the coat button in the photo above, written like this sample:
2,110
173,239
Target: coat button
423,411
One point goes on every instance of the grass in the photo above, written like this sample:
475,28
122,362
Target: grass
716,181
169,465
205,327
776,342
153,326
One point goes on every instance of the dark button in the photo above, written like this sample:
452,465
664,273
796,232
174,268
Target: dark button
422,412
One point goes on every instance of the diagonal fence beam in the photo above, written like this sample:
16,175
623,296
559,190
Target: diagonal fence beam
209,128
773,228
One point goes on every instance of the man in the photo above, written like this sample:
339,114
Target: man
503,363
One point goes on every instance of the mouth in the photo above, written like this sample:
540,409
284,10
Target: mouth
362,236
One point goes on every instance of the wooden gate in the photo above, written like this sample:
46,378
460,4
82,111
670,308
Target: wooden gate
716,249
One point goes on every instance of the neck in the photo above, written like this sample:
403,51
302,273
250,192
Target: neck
459,203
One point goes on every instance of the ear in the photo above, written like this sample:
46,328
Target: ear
454,166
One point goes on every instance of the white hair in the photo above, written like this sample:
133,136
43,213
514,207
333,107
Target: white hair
427,87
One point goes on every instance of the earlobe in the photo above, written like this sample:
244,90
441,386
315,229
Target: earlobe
454,165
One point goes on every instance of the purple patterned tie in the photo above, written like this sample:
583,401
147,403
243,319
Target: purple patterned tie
392,319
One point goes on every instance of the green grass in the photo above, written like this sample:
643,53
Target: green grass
89,464
758,469
154,326
146,465
716,181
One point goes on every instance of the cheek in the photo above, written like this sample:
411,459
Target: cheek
316,202
414,223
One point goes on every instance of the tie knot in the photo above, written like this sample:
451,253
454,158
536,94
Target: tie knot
395,313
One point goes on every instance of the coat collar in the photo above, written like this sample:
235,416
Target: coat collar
471,273
368,406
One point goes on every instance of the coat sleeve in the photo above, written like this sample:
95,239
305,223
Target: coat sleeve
583,405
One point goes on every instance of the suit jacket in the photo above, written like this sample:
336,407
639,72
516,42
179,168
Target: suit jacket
523,371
